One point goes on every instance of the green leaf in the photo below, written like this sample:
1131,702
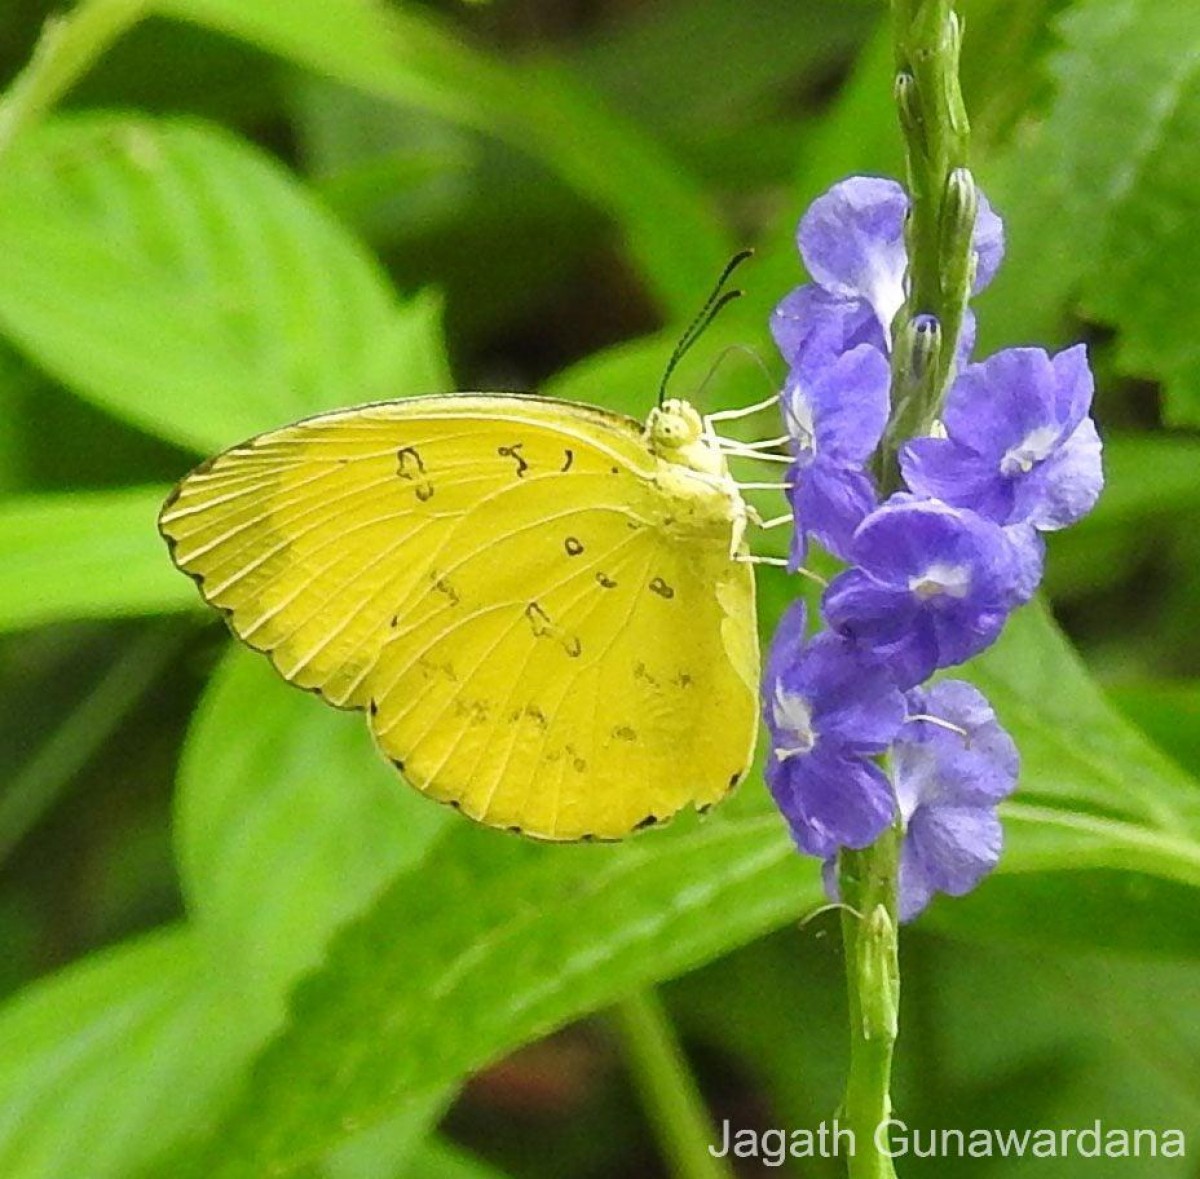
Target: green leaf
1147,476
66,48
407,56
80,728
1080,759
1103,835
857,135
109,1061
1103,202
286,800
181,280
1149,111
86,555
1168,711
446,1161
1151,488
402,1148
491,941
741,56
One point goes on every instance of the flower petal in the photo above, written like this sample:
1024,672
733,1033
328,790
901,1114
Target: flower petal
963,631
1030,551
955,847
947,470
1075,387
902,539
836,801
858,708
884,624
787,643
831,501
996,404
916,890
966,341
988,240
933,765
852,242
933,586
811,318
850,405
1065,487
844,704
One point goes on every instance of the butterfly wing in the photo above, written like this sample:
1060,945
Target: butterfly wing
490,578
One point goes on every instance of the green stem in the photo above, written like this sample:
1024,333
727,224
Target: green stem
927,36
868,886
42,781
68,47
927,40
668,1089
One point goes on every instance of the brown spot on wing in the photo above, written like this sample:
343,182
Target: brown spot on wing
514,452
539,620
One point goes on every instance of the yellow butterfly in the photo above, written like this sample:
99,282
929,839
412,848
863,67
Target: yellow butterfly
545,609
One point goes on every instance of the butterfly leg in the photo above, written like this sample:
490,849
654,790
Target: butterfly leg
781,563
726,415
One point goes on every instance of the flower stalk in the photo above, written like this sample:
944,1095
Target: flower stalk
869,935
938,237
933,118
891,779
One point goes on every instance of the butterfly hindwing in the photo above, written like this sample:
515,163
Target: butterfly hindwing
570,678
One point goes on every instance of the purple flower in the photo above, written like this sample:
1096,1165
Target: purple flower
1020,446
835,409
948,784
852,242
828,714
811,319
932,587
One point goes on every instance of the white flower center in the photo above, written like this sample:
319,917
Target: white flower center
1031,450
800,418
941,580
793,717
885,291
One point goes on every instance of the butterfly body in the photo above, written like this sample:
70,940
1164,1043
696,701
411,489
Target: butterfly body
538,604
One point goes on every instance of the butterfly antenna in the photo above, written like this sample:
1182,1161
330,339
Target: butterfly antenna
723,356
713,306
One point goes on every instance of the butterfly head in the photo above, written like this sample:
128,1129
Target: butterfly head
676,433
698,494
673,426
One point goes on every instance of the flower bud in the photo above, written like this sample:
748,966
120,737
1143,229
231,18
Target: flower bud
921,345
960,207
908,102
878,986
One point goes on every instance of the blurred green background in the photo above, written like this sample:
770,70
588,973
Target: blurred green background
245,211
